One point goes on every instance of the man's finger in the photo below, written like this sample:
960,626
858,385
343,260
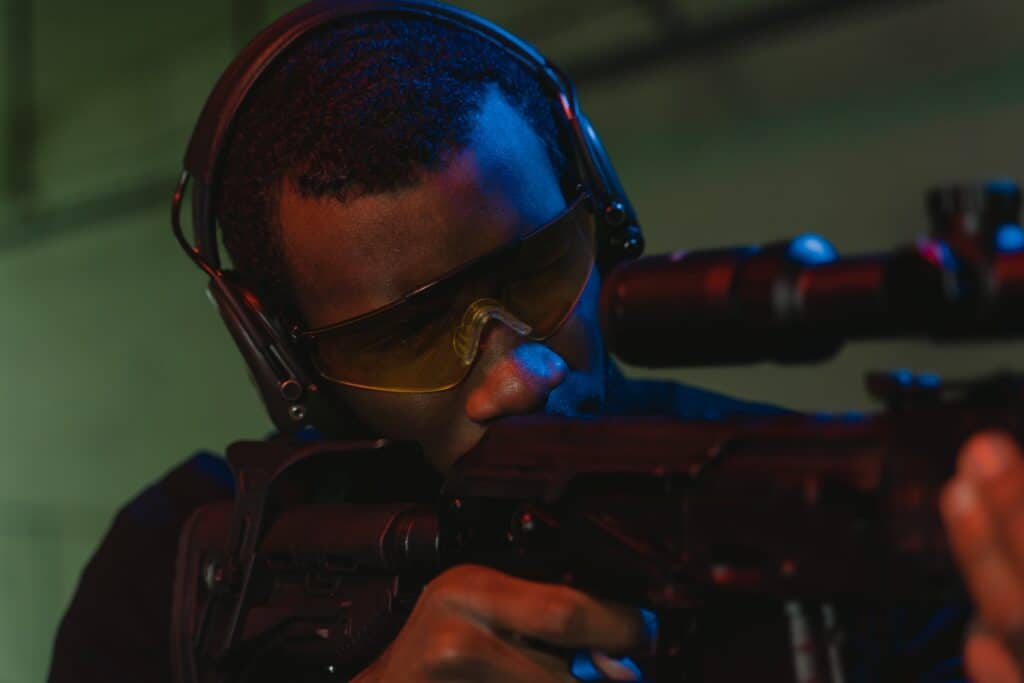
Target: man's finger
986,660
555,614
991,579
467,650
993,462
615,669
554,663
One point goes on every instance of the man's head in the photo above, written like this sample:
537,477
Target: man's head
376,157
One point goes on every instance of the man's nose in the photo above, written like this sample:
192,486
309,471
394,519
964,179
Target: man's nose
513,376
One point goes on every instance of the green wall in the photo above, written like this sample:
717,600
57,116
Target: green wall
839,131
116,367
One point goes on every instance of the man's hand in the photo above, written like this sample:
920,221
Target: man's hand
476,624
983,507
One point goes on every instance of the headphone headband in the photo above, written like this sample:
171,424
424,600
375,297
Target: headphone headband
211,131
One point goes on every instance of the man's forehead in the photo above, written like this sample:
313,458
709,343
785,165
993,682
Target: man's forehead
370,251
348,259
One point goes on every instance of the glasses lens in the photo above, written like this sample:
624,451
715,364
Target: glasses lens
412,346
550,270
405,348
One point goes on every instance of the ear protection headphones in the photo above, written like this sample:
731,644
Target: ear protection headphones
288,387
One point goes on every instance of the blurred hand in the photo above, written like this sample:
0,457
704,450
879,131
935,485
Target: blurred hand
473,623
983,508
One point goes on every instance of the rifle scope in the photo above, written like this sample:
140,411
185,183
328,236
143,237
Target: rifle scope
799,301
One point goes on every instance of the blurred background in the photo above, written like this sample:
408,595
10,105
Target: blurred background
730,121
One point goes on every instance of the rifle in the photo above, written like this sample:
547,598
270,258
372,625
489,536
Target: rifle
677,516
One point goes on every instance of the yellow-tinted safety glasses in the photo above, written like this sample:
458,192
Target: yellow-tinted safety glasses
428,339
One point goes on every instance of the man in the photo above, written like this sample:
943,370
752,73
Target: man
379,157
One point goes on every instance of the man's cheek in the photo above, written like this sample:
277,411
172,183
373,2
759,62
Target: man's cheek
579,343
398,416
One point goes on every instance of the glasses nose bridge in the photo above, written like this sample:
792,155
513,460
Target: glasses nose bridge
475,322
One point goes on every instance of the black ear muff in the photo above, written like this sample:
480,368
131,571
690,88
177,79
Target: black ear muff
289,390
291,396
622,238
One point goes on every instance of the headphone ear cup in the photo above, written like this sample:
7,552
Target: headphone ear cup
621,238
604,165
291,398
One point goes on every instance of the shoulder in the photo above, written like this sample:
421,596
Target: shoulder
117,625
203,478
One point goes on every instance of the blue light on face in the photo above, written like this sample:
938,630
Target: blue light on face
928,380
811,250
1009,238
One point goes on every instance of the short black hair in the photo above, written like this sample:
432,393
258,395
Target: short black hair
357,108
